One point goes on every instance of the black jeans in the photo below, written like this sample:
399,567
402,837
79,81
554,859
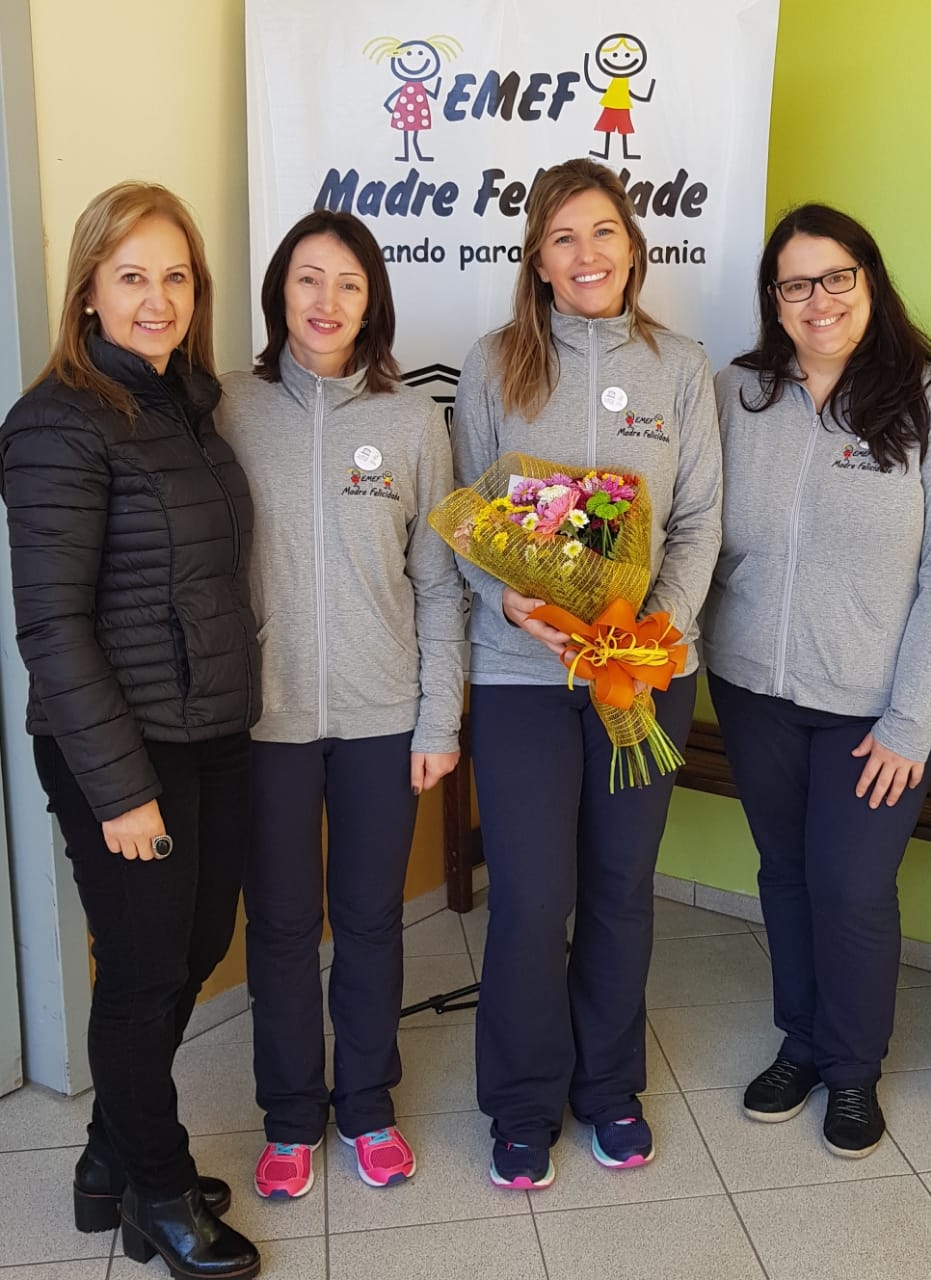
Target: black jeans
365,785
159,929
554,839
828,867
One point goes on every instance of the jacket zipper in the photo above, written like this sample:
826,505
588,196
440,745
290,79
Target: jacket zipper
319,568
230,505
237,543
592,396
782,634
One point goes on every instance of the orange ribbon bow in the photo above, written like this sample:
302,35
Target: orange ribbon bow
615,650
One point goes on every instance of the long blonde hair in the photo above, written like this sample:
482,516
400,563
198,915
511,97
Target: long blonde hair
108,219
525,350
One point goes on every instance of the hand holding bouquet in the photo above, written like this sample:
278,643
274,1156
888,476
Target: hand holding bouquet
579,539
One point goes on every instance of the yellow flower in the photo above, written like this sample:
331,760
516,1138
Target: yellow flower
500,541
501,504
573,548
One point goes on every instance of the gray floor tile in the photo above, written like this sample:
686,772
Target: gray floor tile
871,1230
451,1183
299,1259
438,935
677,920
33,1117
659,1078
35,1210
910,1046
681,1167
216,1087
910,976
236,1030
751,1156
495,1249
426,976
475,923
232,1156
90,1269
714,1046
906,1102
439,1069
715,970
671,1240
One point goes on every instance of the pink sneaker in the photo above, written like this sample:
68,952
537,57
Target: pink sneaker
285,1170
382,1157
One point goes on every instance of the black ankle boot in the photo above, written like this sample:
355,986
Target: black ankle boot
98,1189
187,1236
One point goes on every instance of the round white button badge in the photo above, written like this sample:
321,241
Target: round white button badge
367,457
614,399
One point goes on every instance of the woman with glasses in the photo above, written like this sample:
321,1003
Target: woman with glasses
816,640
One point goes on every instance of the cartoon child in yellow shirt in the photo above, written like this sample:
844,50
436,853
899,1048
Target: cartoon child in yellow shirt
619,57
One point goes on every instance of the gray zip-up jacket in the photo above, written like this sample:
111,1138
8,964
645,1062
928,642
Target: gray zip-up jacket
616,404
358,601
822,594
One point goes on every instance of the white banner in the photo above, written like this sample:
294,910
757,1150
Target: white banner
430,120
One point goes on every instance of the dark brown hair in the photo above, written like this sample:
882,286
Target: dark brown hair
373,344
881,395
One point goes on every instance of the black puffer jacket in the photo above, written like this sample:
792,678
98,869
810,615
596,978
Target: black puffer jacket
129,547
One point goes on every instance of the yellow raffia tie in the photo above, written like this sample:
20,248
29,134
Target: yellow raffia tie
615,645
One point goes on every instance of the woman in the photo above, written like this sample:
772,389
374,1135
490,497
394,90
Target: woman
360,609
581,376
817,646
130,524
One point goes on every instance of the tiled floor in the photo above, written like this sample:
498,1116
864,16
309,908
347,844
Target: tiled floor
725,1199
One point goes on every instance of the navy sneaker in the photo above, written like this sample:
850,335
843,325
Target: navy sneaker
623,1144
524,1168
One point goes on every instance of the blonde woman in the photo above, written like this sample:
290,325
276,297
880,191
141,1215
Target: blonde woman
130,523
582,376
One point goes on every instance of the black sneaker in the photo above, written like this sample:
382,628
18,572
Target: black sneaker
853,1122
521,1167
780,1092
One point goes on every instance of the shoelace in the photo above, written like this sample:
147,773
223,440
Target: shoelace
852,1104
286,1148
782,1072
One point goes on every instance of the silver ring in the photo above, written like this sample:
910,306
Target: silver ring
162,846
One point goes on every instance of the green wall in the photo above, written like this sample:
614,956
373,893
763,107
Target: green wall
850,123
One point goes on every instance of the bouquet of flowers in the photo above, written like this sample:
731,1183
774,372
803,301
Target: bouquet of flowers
579,539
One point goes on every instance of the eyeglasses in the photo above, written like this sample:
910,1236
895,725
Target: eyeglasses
801,289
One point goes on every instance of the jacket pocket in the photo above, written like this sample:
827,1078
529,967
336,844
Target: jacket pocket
836,636
182,661
741,612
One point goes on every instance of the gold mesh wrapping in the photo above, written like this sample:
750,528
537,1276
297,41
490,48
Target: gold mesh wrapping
583,583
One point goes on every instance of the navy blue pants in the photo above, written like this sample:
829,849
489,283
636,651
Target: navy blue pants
554,839
159,928
828,866
365,786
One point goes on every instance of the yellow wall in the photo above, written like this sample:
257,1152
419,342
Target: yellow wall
157,92
132,90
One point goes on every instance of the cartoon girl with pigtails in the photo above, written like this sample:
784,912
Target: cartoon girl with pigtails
415,63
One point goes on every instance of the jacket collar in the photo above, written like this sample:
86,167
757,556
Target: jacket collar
192,384
303,386
577,332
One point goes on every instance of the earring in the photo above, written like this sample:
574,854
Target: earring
88,311
363,324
